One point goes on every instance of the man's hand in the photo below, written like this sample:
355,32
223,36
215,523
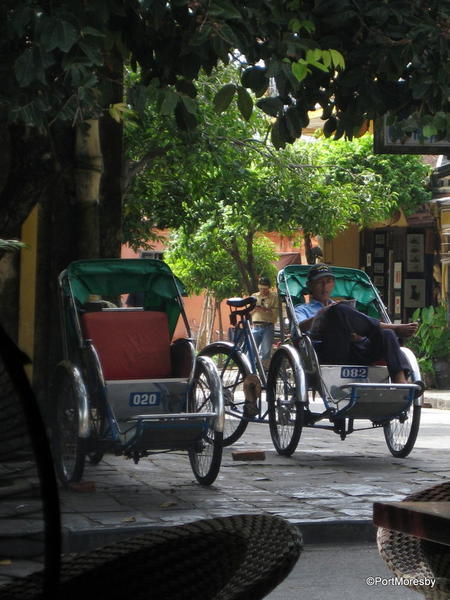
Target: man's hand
355,337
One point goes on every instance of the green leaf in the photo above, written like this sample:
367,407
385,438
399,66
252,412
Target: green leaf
221,8
326,58
313,55
57,33
185,119
245,103
319,65
224,96
271,106
293,122
429,130
21,18
337,58
329,126
300,70
92,31
276,136
169,102
295,25
92,51
190,104
255,78
28,67
186,87
24,68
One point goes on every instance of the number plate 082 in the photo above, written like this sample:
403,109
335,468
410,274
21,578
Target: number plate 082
144,398
354,372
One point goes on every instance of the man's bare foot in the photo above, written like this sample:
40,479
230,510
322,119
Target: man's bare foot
405,329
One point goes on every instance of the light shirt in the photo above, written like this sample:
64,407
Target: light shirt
270,301
307,310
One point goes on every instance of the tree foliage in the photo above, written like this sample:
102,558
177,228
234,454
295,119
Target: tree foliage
357,60
202,262
223,184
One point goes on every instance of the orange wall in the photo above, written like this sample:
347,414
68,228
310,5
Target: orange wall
194,304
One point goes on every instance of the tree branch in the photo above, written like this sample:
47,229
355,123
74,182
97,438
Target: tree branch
133,168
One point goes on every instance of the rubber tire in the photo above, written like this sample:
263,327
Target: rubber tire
69,463
408,445
278,385
234,426
205,463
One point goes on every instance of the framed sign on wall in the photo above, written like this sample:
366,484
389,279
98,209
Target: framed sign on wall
397,278
414,293
414,252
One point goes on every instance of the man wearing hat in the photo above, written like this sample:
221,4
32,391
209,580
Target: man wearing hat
264,317
346,335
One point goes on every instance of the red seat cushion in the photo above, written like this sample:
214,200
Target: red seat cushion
130,344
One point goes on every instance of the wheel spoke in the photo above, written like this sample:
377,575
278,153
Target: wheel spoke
285,413
232,373
206,457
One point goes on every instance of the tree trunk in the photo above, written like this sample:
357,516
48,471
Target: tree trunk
111,188
308,249
251,262
206,322
233,250
88,171
59,234
219,320
112,184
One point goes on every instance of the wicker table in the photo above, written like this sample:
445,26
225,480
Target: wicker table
425,520
413,539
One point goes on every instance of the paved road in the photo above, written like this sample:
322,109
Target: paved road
327,487
327,572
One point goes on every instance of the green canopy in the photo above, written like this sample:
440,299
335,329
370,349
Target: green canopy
110,277
349,283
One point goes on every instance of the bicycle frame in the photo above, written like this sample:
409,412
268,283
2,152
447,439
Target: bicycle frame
245,342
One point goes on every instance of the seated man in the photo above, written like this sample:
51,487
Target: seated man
347,335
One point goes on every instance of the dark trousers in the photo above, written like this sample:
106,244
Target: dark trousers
337,347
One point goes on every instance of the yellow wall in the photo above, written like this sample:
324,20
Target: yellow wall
27,296
343,250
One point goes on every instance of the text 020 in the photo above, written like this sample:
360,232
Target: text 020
144,399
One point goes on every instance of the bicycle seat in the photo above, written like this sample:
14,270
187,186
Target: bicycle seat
238,302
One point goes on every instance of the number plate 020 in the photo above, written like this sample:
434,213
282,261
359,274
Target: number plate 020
144,399
354,372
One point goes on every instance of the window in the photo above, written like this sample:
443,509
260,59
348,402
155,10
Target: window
152,254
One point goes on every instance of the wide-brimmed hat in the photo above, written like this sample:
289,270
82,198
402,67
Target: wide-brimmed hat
318,272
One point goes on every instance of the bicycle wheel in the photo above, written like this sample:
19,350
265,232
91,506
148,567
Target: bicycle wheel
97,406
285,389
70,448
232,371
401,433
98,426
206,396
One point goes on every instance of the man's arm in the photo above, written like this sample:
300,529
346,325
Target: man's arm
303,319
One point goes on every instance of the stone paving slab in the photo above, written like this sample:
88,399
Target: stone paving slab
327,486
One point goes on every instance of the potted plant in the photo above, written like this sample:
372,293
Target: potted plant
431,344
